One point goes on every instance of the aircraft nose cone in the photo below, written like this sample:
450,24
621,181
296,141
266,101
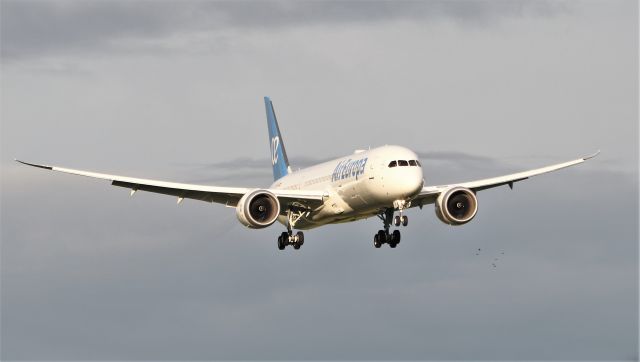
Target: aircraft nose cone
414,185
409,183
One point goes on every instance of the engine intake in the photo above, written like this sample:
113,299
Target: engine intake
456,206
258,209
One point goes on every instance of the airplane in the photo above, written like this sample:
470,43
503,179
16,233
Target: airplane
383,182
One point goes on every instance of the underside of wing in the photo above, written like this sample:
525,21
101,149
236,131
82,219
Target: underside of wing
300,199
228,196
429,194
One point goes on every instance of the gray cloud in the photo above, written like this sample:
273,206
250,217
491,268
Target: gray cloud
36,28
443,156
263,163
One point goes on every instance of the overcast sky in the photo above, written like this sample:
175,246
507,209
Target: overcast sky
173,90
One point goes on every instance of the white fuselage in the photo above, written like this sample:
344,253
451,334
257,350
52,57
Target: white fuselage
357,186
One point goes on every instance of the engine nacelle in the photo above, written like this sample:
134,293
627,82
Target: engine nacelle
456,206
258,209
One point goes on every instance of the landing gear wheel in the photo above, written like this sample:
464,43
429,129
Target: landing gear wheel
296,246
396,236
376,242
382,237
396,220
405,220
395,239
299,238
283,240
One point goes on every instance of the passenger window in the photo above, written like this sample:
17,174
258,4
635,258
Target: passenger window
403,163
393,164
412,163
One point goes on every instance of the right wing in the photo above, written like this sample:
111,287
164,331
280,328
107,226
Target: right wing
228,196
429,194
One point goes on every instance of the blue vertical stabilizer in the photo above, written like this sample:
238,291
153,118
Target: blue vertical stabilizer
279,158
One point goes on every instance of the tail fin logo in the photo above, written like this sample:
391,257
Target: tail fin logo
275,144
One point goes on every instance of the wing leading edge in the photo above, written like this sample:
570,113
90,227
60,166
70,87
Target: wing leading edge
228,196
429,194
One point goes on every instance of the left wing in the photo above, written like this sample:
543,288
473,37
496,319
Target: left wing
429,194
228,196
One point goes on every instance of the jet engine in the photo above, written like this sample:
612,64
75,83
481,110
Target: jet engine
258,209
456,206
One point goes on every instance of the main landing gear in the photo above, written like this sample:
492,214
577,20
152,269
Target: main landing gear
288,237
386,237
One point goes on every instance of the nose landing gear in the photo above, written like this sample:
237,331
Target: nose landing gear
400,205
401,220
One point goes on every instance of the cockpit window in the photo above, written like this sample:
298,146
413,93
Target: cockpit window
405,163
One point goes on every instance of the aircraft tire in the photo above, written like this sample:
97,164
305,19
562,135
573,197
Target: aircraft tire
395,238
376,242
280,243
300,238
405,220
382,237
396,220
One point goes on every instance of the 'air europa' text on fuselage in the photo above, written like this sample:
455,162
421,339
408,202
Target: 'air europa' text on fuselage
349,168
